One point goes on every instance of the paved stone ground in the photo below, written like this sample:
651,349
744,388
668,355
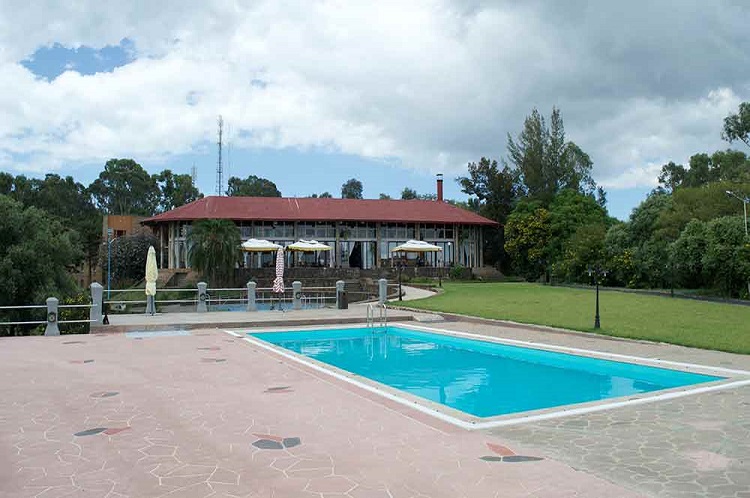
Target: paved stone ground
695,446
210,415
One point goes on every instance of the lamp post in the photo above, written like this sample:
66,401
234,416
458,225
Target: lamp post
400,268
109,262
597,272
745,201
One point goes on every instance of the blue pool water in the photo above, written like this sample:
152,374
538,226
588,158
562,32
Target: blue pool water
477,377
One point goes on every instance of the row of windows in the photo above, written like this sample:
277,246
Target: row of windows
283,230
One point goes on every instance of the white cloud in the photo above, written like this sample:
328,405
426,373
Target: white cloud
429,84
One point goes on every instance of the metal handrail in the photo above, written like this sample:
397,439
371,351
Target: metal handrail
30,306
23,323
77,305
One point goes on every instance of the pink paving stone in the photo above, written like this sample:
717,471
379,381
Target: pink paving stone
272,437
332,484
115,430
500,450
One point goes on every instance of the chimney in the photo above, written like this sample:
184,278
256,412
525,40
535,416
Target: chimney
440,187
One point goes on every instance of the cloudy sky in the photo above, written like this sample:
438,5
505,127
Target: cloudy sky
316,92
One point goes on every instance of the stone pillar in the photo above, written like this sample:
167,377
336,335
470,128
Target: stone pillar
52,317
202,297
340,284
382,291
297,294
97,301
251,305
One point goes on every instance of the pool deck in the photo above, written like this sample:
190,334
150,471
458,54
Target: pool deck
210,414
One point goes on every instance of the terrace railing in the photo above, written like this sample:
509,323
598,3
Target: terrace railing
52,317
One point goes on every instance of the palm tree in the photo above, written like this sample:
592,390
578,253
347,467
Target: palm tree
214,249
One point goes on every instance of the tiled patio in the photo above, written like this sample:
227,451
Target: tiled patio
207,414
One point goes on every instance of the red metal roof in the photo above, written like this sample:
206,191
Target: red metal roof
316,209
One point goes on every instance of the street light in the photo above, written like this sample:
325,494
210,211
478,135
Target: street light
109,262
745,201
597,272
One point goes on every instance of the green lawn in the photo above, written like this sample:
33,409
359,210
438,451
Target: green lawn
719,326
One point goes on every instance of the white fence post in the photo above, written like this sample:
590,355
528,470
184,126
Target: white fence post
297,296
97,295
251,305
202,297
52,317
382,290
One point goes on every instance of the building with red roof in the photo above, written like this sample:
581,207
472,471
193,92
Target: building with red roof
361,231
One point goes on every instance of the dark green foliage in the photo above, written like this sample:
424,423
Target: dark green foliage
727,256
252,186
75,314
125,188
36,252
214,249
527,234
128,258
175,190
384,197
737,126
408,193
351,189
545,162
687,253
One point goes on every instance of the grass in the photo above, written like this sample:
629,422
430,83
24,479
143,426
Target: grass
706,325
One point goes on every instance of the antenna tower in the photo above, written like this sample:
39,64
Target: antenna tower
194,174
219,170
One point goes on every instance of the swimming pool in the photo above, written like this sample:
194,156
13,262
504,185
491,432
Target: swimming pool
481,378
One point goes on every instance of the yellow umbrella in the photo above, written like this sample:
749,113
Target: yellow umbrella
152,273
308,246
259,245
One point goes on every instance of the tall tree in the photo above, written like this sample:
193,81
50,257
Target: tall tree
214,249
737,126
384,197
252,186
175,190
672,175
527,235
125,188
545,162
727,256
351,189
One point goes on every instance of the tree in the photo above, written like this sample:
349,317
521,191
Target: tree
527,234
686,255
570,211
175,190
125,188
727,255
672,175
384,197
545,162
496,191
36,251
408,193
252,186
214,249
737,126
351,189
325,195
128,257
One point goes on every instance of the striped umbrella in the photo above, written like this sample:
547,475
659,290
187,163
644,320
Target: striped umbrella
278,283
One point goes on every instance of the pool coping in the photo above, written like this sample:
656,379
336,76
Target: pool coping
733,378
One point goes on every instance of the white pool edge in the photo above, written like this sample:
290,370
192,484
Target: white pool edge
521,419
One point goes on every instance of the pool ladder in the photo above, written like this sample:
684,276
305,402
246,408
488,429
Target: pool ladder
382,314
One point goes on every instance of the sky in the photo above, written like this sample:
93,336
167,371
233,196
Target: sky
315,92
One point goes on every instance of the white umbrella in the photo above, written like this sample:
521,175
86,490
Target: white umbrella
308,246
416,246
259,245
152,273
